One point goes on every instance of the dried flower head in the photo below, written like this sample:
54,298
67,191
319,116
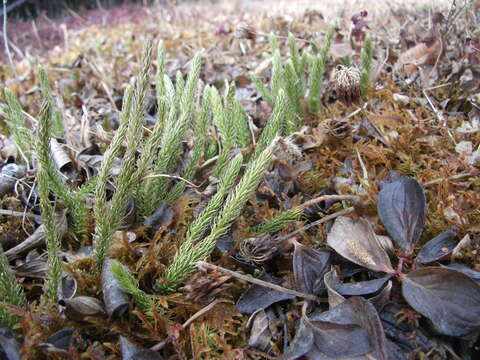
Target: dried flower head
338,128
245,31
346,82
257,250
290,148
205,286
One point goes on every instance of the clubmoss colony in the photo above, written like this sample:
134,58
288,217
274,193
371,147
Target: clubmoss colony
184,109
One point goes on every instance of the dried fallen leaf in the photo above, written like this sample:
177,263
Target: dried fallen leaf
420,54
116,301
309,266
332,281
356,241
8,345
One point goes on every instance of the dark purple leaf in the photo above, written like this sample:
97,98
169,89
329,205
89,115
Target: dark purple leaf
131,352
339,332
474,274
401,207
9,349
336,340
309,266
301,344
260,297
356,241
61,339
440,246
370,321
450,299
361,287
163,216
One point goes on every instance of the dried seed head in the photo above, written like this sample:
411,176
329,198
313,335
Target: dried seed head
289,146
346,82
205,286
257,250
245,31
338,128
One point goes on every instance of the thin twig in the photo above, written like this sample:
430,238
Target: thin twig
192,318
209,161
153,176
200,313
453,177
439,115
329,198
256,281
19,214
318,222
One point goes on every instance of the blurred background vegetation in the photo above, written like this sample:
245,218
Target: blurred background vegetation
27,9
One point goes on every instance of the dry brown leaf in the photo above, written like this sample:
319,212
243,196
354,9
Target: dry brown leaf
420,54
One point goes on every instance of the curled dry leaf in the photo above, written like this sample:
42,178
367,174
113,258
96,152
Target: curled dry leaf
260,325
9,349
301,344
9,175
420,54
351,330
332,281
162,217
440,246
38,237
116,301
369,319
356,241
61,339
80,307
131,352
309,266
450,299
67,287
401,207
383,297
60,156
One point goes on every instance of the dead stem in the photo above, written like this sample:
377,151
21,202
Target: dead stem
152,176
319,199
256,281
318,222
453,177
192,318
